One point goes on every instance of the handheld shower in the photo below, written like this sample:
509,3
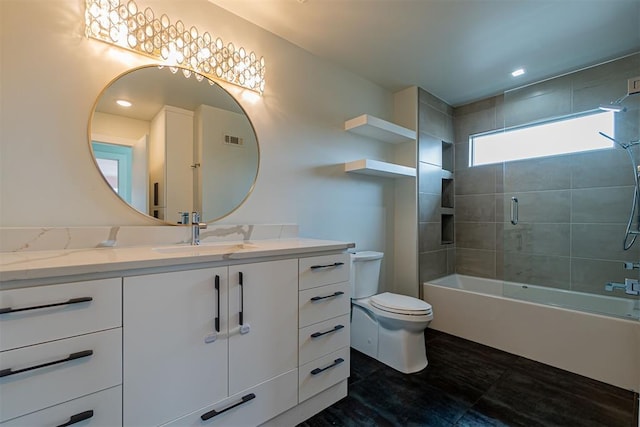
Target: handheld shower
630,235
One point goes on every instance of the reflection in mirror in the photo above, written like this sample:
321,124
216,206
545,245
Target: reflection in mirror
182,144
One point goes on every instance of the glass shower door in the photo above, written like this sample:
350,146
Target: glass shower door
563,219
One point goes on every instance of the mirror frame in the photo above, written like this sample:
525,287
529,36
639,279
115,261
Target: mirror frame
132,208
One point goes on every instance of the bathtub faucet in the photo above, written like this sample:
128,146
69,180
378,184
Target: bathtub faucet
630,286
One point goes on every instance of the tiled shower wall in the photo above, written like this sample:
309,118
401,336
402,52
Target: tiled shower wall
573,209
435,125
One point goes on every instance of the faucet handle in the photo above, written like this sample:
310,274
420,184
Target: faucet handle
631,265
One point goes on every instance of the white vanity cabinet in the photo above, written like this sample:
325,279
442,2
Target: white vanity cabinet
200,339
197,342
61,354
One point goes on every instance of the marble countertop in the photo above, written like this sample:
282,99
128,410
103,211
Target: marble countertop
65,262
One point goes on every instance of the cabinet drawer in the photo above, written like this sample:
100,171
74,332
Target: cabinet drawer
102,409
261,403
322,373
38,387
319,304
323,270
47,313
322,338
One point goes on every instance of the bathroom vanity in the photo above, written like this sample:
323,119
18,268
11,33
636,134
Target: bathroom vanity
231,333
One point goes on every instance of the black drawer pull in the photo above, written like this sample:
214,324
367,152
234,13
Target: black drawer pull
6,310
335,294
335,264
217,319
72,356
335,363
214,413
319,334
241,284
77,418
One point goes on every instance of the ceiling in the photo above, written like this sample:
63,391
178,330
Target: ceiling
459,50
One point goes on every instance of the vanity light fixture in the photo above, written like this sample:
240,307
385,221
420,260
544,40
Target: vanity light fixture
124,25
518,72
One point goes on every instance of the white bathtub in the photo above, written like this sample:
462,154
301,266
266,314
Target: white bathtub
534,322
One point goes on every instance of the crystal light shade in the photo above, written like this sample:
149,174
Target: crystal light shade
124,25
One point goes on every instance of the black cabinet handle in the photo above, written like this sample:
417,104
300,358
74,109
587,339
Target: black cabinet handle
72,356
335,294
77,418
6,310
241,283
335,264
214,413
217,320
335,363
319,334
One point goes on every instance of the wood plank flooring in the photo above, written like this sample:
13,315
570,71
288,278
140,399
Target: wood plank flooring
469,384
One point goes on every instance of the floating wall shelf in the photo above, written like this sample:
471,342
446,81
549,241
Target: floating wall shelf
378,168
379,129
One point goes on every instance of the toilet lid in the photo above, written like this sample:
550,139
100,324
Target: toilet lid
400,304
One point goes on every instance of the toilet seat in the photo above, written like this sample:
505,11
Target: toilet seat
400,304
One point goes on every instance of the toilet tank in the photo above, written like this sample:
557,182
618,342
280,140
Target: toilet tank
365,273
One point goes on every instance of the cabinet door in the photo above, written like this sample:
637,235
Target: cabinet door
263,322
174,360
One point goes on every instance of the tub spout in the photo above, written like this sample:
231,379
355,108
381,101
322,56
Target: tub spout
630,286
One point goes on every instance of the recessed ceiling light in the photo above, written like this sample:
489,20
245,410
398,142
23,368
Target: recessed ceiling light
518,72
123,103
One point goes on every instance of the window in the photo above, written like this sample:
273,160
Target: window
571,134
114,162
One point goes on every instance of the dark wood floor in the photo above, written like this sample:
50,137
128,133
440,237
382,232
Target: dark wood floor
468,384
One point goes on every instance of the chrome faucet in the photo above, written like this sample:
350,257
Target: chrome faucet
196,226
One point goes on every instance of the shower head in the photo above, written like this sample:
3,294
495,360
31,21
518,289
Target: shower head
616,108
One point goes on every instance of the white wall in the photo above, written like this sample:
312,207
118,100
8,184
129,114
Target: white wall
51,76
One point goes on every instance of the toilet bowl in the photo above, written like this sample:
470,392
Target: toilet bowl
388,327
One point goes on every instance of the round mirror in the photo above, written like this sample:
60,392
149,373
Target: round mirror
169,141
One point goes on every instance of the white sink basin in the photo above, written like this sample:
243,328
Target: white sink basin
206,248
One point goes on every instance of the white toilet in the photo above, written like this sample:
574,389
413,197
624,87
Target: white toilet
388,327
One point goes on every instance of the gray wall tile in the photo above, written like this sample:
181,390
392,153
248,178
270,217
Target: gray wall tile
601,205
475,262
599,241
537,239
591,275
475,208
429,236
432,265
476,180
602,168
549,173
540,206
428,207
429,179
429,149
472,235
540,270
551,98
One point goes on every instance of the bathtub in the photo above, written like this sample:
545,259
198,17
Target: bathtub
594,336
